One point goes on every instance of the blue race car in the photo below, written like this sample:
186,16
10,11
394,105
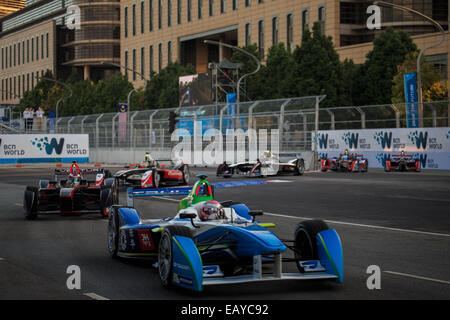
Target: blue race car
212,243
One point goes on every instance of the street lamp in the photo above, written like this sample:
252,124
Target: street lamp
242,77
419,78
60,99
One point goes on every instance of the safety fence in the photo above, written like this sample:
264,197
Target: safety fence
295,118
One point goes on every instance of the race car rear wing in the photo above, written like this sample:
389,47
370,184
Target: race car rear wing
400,156
81,171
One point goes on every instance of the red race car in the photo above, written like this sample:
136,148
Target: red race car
402,162
151,174
346,163
72,194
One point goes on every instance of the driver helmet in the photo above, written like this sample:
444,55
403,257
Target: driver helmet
74,179
212,210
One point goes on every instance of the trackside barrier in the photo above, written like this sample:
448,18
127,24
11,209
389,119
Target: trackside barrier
176,191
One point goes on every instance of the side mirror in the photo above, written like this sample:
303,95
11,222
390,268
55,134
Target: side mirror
255,213
187,215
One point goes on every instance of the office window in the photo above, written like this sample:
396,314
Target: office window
150,15
32,50
10,56
28,82
169,52
134,65
150,60
211,8
46,44
234,4
260,1
37,48
3,59
32,81
42,46
142,63
247,3
14,90
248,38
179,8
14,56
289,31
18,85
274,30
126,63
261,38
142,16
28,50
23,84
133,19
159,14
10,86
125,22
200,9
305,20
223,5
322,17
23,51
169,13
18,53
189,10
3,88
160,54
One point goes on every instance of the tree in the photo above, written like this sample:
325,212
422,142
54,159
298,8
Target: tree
390,49
162,90
429,76
317,67
34,98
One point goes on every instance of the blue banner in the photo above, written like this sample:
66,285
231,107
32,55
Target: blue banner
412,117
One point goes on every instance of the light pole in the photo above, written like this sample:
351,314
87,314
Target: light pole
60,99
419,78
242,77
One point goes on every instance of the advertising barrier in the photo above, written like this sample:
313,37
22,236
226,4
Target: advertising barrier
35,148
430,145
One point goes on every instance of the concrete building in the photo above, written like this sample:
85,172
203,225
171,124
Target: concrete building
154,32
38,38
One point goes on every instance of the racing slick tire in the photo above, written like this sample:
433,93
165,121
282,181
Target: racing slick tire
165,252
221,170
156,178
107,199
300,167
305,240
113,232
386,167
418,168
186,174
30,203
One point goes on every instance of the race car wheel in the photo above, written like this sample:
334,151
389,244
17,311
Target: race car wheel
305,240
386,167
30,203
300,166
106,200
43,184
113,232
186,174
156,178
165,252
366,166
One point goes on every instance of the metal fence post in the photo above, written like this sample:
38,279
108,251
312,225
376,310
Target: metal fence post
397,115
113,129
331,113
433,114
97,132
150,127
363,117
316,133
82,123
68,125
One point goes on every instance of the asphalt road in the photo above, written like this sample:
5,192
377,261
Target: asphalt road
397,221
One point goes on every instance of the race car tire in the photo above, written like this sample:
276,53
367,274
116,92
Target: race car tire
113,232
107,174
30,202
305,240
106,200
386,168
366,167
156,178
186,174
300,167
43,184
165,252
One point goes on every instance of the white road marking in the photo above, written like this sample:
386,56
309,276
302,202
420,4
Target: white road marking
95,296
417,277
18,204
2,259
362,225
345,223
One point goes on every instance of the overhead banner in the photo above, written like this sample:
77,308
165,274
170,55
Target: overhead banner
430,145
34,148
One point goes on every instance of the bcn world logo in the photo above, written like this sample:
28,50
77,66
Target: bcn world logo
383,138
49,147
351,139
418,138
